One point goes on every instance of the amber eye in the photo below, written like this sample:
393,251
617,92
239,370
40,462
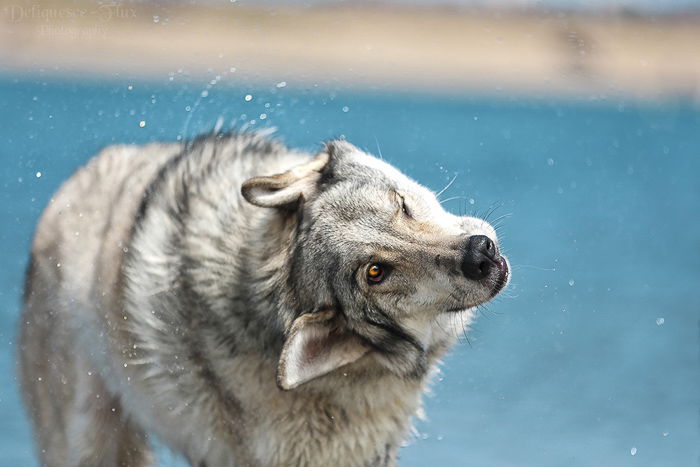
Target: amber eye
375,273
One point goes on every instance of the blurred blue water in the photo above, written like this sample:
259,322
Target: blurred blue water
593,353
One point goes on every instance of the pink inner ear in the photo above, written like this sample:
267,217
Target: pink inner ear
286,188
314,348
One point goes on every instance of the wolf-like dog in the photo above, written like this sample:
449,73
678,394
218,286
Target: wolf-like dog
245,303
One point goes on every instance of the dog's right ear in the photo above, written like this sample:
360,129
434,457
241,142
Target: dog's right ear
288,188
315,346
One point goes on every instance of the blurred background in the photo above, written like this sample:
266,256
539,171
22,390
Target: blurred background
575,125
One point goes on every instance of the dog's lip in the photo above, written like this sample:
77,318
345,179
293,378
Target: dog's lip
502,276
499,282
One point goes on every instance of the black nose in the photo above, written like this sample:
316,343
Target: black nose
479,257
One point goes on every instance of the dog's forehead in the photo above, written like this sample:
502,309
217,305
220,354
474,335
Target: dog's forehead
382,175
373,164
368,193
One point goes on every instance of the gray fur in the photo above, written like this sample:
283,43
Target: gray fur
189,292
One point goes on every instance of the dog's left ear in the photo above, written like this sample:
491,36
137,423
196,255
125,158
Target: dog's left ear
316,346
288,188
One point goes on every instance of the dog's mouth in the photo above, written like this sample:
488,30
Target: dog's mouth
497,282
502,275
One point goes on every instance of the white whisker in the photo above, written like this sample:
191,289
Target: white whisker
447,186
450,199
379,150
539,268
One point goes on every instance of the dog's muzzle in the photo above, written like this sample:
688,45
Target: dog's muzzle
482,261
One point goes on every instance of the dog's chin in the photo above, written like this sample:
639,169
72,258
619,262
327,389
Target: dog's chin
490,287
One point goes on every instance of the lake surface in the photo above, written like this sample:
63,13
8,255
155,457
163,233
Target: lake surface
590,358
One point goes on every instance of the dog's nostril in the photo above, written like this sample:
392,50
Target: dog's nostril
490,247
479,254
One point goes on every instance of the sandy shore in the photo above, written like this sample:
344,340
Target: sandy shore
363,46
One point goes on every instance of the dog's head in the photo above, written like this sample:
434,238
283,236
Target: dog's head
377,265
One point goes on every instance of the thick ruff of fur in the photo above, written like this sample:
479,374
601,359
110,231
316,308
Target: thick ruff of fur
215,295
